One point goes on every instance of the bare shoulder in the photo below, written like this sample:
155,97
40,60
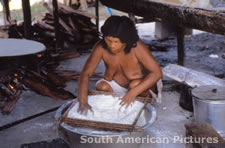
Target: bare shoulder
98,47
145,57
142,49
96,53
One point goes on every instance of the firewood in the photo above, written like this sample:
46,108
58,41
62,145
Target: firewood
9,105
1,96
4,35
55,79
82,22
68,55
36,75
49,22
73,25
86,30
38,87
7,92
49,34
88,38
48,16
68,75
61,93
77,34
43,25
45,89
71,10
61,22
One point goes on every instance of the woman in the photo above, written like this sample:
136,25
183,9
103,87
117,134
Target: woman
130,67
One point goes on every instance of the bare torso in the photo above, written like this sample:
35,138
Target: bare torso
123,68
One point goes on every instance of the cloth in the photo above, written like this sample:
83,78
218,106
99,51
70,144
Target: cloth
115,86
121,90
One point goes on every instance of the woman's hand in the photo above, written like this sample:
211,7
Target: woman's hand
83,108
127,99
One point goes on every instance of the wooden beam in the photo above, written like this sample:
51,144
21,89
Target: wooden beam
27,18
180,45
6,11
56,23
97,13
197,18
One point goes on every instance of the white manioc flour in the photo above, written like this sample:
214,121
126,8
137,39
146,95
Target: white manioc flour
107,108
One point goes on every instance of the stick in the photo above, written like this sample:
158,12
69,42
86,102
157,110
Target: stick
139,114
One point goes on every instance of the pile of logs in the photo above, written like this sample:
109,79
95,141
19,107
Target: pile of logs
9,94
42,76
47,83
75,27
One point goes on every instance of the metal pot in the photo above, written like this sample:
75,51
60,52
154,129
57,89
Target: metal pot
83,137
209,106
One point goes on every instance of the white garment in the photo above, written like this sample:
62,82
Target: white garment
121,90
115,86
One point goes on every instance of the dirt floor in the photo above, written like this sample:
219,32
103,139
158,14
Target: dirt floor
204,52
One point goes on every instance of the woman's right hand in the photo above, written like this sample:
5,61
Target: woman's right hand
83,108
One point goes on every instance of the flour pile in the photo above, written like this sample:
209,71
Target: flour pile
107,108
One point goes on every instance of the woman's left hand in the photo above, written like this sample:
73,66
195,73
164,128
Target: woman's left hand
127,99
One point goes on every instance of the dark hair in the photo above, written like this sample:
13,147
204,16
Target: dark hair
123,28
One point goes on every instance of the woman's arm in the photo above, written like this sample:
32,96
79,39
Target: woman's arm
88,70
145,58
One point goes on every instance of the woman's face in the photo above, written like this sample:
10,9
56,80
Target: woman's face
114,44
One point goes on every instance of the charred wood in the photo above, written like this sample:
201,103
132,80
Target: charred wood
9,105
55,79
46,89
45,26
7,92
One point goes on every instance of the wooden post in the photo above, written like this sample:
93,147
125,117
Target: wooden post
27,18
6,11
56,22
97,13
132,17
84,5
180,45
65,2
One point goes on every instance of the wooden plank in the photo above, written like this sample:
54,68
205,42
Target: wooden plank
97,13
180,45
56,23
6,11
197,18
